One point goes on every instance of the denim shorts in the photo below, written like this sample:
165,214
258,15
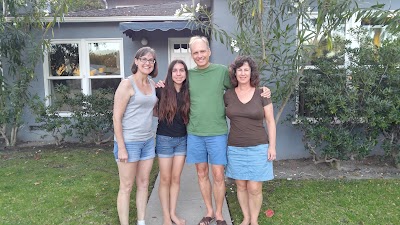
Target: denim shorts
211,149
167,147
249,163
137,150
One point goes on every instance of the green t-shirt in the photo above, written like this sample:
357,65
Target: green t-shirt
207,108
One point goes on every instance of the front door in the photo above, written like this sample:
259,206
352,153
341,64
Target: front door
179,49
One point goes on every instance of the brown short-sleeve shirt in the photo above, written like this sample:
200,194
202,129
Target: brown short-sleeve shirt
246,120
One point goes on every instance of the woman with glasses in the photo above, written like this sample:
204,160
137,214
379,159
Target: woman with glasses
134,147
173,116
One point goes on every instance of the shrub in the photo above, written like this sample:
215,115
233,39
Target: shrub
92,116
349,109
49,118
90,119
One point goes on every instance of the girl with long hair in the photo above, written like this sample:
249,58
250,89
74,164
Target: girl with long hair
173,116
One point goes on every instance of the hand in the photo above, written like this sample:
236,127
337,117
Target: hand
266,92
271,154
122,155
160,84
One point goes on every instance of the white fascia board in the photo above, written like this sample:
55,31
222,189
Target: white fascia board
111,19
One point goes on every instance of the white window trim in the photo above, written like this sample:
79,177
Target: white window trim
84,66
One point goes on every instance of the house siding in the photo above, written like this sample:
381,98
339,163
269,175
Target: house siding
289,139
156,39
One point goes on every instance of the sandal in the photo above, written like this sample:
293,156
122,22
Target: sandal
221,222
206,220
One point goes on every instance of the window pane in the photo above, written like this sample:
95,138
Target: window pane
64,60
177,48
317,48
105,84
184,48
73,86
104,58
110,84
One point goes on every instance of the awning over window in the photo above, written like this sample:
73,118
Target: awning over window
151,26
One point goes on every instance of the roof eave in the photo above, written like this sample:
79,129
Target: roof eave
110,19
116,19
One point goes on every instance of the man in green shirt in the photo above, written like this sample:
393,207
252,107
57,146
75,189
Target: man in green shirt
207,128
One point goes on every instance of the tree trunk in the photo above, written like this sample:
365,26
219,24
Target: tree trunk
3,132
14,132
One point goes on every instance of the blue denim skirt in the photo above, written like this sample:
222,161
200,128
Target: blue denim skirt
249,163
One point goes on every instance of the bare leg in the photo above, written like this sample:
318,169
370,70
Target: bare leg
177,167
218,189
254,189
243,198
127,172
205,186
142,184
165,165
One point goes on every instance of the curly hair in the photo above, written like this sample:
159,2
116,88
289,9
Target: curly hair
239,61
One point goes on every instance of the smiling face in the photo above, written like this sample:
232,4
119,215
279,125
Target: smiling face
145,63
200,53
178,74
243,73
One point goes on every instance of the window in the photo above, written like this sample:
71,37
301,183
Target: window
376,31
83,66
315,49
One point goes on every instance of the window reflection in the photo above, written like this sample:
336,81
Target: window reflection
104,58
320,47
64,60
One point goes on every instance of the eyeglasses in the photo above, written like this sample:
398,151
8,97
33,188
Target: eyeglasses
150,61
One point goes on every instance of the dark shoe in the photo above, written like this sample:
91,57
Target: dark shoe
221,222
206,220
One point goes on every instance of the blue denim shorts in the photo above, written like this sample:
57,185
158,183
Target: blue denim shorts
167,147
137,150
249,163
211,149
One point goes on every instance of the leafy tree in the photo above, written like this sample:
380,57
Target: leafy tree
277,34
21,41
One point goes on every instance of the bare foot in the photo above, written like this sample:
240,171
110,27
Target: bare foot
245,222
177,220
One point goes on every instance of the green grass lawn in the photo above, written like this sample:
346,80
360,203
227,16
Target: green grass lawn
78,185
61,186
358,202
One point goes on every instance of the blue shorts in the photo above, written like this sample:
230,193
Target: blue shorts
249,163
211,149
168,147
137,150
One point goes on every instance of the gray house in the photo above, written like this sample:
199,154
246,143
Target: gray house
95,49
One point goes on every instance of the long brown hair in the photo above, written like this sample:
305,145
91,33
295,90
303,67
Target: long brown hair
168,104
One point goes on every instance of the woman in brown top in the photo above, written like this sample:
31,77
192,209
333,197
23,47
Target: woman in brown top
250,149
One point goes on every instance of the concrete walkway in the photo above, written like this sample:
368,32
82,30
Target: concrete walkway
190,203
